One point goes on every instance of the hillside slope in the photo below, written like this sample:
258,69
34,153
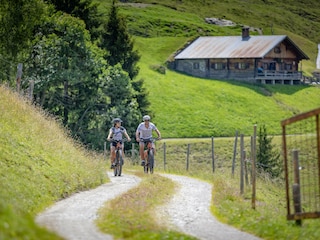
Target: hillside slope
186,106
39,164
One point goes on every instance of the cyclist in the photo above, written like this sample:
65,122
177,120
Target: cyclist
144,131
116,133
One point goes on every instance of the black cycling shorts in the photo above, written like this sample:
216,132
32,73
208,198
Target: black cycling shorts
114,143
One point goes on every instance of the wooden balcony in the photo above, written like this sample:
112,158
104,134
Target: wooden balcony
279,77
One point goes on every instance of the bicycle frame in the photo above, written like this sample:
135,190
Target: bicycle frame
118,159
149,155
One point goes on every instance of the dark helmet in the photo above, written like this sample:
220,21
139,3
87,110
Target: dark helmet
115,120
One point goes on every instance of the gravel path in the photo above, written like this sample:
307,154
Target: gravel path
188,211
73,218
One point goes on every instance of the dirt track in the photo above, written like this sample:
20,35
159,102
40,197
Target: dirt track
188,210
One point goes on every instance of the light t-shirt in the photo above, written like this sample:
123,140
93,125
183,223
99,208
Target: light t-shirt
118,133
146,133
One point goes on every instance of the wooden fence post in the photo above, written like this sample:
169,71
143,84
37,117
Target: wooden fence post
253,153
241,164
296,185
132,151
105,150
245,167
164,156
212,152
234,153
188,152
18,78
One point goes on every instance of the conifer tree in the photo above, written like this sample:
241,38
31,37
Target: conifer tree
117,41
141,95
268,159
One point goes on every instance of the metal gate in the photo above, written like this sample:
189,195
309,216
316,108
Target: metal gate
301,150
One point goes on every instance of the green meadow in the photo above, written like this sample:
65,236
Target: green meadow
40,163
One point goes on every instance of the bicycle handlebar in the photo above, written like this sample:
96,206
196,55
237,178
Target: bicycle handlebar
149,139
122,140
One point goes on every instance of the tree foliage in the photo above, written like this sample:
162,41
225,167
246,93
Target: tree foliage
117,41
123,103
17,21
83,9
66,66
72,79
141,95
268,159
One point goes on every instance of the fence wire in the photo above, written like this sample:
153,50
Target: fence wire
301,149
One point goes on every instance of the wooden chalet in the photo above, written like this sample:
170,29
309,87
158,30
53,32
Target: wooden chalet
258,59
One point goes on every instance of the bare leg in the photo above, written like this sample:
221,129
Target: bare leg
112,154
141,150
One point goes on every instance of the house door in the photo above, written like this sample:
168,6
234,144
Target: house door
272,66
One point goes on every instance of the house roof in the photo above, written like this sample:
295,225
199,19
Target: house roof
236,47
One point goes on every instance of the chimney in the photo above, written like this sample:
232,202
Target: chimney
245,33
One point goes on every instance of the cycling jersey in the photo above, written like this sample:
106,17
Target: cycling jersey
144,132
117,133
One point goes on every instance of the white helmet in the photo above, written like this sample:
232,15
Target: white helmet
146,118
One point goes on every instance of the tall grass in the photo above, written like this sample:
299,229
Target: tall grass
39,164
133,215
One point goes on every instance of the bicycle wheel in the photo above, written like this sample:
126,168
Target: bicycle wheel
151,161
120,163
145,168
116,168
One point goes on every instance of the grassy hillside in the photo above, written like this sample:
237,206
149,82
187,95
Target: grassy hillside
297,19
185,106
39,164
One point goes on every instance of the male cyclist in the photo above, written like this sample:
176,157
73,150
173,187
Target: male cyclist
144,131
116,133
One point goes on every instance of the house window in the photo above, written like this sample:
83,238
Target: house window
288,66
196,65
277,50
218,66
241,65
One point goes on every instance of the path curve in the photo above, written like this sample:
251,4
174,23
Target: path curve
188,211
73,218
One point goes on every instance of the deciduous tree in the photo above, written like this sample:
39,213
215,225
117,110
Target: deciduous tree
83,9
17,21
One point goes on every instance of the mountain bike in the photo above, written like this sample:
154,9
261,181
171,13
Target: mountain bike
148,154
118,159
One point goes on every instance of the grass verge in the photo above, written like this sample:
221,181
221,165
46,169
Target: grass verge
133,214
39,164
268,219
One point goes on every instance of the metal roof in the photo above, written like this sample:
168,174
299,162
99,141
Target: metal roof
235,47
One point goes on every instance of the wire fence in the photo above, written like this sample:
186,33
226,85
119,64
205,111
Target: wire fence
301,148
232,156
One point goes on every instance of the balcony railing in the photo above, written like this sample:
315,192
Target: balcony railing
269,74
279,77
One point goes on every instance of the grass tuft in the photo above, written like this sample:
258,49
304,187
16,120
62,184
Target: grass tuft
133,214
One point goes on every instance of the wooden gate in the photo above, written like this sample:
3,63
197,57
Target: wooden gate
301,151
